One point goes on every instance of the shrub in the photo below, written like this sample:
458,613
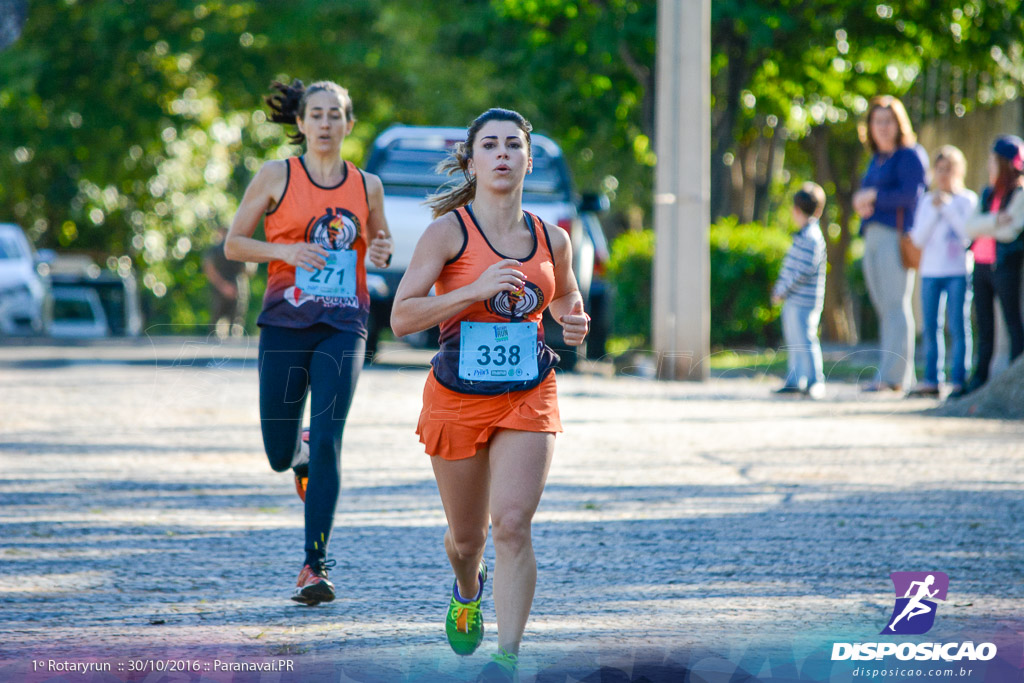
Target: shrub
745,260
629,271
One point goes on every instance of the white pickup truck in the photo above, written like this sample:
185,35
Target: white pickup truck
404,157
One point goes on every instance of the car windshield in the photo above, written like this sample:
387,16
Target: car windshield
10,248
77,310
408,166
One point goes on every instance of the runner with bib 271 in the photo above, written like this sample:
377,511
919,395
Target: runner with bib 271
322,218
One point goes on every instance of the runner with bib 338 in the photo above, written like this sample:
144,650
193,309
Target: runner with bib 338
490,408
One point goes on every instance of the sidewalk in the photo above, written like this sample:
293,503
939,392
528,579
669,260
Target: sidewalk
140,520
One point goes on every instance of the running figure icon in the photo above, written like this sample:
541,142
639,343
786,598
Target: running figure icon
915,607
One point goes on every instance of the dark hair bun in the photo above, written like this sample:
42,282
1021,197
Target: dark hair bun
284,107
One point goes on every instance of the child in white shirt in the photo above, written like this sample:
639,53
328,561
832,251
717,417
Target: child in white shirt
939,232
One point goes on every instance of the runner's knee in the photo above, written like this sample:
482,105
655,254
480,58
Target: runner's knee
321,442
280,452
467,542
511,529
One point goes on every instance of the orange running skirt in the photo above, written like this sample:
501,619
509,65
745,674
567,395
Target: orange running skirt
454,425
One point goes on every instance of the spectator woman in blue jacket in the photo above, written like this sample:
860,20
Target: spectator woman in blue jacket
886,203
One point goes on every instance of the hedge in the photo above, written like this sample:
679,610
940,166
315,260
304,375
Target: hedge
745,260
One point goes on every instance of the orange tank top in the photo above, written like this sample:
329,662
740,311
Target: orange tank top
476,256
333,217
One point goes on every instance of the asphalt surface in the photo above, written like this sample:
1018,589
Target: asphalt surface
704,528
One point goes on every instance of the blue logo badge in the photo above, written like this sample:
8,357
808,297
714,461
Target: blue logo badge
916,593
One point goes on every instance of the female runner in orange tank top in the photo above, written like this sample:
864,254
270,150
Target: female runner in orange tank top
490,410
319,213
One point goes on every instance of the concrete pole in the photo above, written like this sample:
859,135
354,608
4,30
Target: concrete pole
682,199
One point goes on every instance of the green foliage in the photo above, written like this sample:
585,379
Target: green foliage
745,261
811,63
124,138
131,127
629,271
590,68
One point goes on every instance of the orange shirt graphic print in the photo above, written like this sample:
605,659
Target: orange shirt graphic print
336,229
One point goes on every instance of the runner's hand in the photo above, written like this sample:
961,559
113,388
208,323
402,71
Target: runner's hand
381,249
502,276
575,324
304,255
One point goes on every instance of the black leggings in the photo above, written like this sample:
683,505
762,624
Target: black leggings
324,362
991,283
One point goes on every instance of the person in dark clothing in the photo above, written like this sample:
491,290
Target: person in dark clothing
998,233
229,289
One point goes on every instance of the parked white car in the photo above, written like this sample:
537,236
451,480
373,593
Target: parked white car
25,301
90,301
78,313
404,157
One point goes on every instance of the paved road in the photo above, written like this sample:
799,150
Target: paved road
691,524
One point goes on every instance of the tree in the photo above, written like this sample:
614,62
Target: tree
131,126
583,71
134,126
807,69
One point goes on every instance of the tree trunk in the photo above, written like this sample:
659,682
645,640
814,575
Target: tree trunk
772,164
748,179
723,129
838,323
644,75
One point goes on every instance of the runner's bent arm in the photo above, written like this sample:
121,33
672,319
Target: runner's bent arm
263,193
567,304
381,245
414,310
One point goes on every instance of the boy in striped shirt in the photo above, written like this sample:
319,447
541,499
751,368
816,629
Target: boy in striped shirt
801,289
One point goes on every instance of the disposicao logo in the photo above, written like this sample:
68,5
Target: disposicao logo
916,593
914,614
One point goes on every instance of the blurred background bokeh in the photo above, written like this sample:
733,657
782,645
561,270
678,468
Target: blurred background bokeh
130,128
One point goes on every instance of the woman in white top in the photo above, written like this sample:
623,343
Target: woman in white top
939,232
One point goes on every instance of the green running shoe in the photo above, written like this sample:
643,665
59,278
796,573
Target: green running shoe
503,668
464,623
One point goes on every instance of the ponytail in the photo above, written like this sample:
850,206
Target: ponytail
290,103
452,197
